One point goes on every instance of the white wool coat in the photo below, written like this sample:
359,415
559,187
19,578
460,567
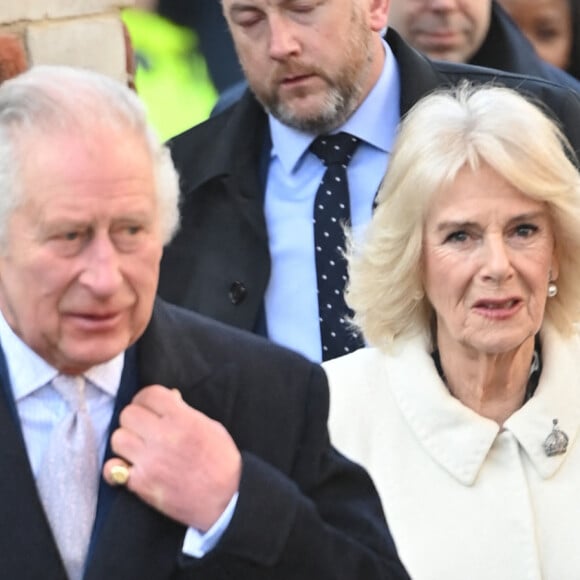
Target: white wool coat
464,498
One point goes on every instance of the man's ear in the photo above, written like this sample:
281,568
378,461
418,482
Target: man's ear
379,14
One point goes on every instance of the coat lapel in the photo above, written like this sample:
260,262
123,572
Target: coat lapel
27,548
417,74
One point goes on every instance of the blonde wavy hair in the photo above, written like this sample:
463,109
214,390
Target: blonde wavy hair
444,132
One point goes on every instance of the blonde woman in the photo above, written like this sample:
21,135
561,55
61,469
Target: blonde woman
466,407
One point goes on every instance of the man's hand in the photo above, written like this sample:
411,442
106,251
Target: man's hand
181,462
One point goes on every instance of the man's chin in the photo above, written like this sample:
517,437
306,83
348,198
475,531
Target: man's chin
80,357
307,115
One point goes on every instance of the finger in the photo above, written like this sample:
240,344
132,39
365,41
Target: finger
127,445
158,399
138,420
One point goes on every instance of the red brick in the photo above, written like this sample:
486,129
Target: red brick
13,59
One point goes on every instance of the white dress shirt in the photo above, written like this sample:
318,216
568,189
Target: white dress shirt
294,175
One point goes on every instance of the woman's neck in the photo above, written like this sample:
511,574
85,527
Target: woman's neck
493,385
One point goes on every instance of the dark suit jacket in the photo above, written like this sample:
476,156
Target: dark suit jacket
304,512
219,262
505,47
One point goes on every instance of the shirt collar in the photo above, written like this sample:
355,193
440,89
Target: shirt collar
28,371
289,144
456,437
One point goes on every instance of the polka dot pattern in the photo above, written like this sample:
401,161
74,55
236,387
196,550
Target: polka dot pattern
331,214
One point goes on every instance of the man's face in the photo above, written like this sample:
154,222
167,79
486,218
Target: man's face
79,271
309,62
452,30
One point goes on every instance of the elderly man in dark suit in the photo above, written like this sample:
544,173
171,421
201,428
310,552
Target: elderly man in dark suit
245,254
212,443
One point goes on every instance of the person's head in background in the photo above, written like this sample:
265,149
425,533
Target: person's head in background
551,26
450,30
310,64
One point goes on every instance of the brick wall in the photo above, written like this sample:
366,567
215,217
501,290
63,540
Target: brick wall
85,33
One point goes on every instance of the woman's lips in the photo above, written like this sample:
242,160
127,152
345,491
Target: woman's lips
498,309
497,304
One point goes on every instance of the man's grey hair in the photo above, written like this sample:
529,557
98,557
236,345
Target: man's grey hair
52,99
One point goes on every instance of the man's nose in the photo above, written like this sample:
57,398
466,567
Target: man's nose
283,39
101,271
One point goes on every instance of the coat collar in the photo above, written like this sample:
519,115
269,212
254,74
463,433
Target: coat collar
417,73
235,139
458,438
557,397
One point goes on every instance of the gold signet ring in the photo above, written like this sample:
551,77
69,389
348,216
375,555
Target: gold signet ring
119,474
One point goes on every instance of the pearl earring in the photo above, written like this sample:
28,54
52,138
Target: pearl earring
552,289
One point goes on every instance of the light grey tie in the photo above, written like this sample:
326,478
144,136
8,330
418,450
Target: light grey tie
69,476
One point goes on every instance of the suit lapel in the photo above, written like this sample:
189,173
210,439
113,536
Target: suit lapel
27,548
134,542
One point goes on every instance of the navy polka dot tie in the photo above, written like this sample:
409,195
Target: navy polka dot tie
331,214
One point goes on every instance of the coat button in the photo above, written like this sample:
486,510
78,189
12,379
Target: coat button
237,292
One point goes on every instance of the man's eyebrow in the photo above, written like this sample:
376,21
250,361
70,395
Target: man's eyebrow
238,7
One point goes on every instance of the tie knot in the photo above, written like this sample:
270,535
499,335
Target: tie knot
71,389
335,149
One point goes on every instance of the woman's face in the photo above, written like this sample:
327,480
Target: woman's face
548,26
488,255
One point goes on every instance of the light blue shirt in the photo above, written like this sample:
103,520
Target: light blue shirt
294,175
40,408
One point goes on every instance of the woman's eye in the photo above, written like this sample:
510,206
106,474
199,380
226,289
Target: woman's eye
526,230
459,236
547,34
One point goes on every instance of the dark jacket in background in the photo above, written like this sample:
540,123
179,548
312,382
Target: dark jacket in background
506,48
